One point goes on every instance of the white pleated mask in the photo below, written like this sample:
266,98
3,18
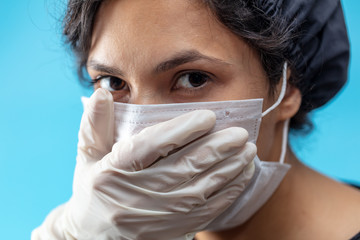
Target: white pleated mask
130,119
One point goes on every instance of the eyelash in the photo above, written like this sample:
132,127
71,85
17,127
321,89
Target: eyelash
94,81
102,77
193,90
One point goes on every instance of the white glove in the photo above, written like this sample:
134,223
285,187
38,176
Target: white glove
162,183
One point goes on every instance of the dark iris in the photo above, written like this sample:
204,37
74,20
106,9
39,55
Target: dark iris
116,83
197,79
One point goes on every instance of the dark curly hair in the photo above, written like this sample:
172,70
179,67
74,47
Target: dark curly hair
270,35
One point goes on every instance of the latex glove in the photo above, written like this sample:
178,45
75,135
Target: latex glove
144,190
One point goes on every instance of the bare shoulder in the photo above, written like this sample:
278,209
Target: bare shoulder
336,208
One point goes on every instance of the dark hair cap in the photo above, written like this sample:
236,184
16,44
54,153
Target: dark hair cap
320,49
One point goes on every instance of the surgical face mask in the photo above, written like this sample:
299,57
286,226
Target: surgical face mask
131,119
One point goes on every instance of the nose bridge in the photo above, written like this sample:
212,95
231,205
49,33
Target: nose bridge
146,87
145,100
145,96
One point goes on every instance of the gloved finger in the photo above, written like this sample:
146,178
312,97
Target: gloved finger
200,216
235,171
96,133
195,158
220,201
144,148
142,221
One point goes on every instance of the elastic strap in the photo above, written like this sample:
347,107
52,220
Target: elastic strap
286,123
284,141
282,92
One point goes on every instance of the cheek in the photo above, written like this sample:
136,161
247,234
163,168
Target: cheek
269,140
119,97
265,139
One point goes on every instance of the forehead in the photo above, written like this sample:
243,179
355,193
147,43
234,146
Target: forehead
150,28
141,17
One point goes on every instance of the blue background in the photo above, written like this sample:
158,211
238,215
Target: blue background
40,112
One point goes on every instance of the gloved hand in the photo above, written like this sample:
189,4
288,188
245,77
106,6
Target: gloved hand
164,182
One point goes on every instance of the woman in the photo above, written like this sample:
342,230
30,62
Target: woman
291,54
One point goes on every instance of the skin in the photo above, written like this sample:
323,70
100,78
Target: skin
153,46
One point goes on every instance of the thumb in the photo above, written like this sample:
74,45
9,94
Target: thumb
96,133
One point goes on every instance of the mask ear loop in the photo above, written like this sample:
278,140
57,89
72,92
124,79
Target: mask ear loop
286,123
282,92
284,141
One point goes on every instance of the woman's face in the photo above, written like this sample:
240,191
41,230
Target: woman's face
160,51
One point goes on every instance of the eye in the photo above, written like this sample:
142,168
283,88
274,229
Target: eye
192,80
111,83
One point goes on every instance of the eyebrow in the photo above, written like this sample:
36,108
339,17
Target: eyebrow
181,58
104,68
174,61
